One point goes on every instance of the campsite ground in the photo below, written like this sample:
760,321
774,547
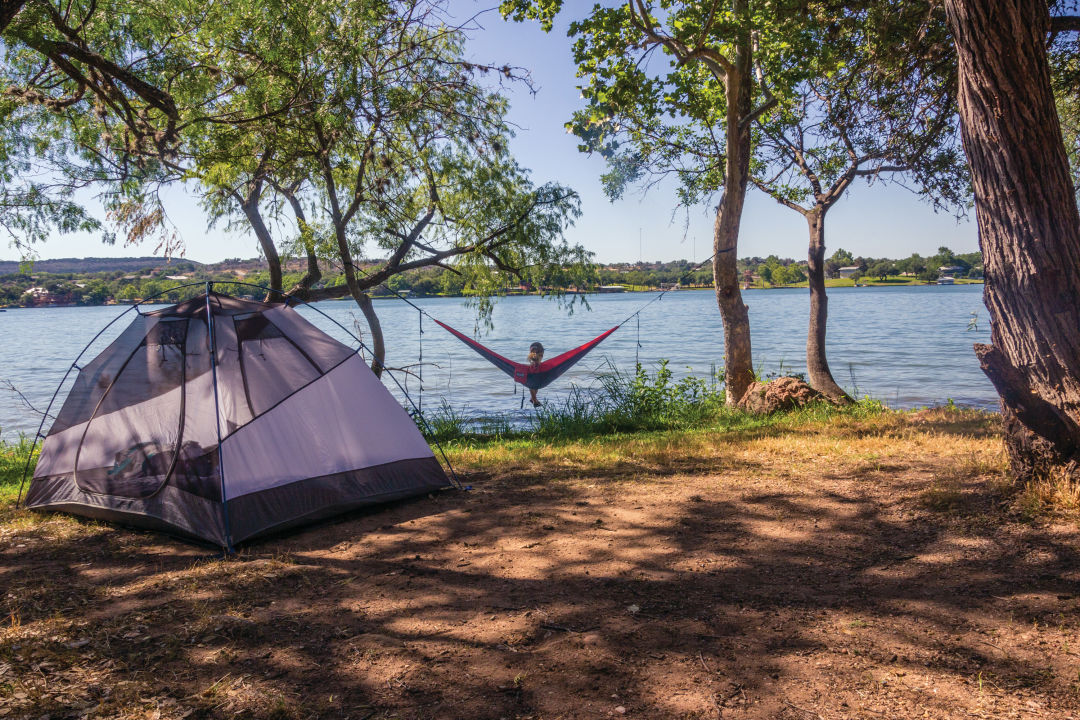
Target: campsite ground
865,568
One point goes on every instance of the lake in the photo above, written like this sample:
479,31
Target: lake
907,346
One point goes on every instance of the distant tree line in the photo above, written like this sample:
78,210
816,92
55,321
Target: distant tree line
787,271
31,288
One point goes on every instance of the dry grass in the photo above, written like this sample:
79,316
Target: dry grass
1058,495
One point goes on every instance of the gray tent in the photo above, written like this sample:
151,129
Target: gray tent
223,419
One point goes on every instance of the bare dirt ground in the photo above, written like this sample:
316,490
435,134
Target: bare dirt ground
868,569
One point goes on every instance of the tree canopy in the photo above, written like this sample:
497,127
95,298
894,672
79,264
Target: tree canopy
351,131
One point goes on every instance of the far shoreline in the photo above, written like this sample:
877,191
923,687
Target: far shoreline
800,286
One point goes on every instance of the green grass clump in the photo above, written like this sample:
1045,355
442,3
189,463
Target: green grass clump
628,404
12,463
632,403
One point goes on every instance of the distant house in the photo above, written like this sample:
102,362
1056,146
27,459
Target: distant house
669,286
946,280
848,271
952,270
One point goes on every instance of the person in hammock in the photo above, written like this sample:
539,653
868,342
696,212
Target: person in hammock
536,356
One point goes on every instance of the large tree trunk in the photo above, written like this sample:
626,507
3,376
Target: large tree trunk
340,222
313,274
817,365
738,364
250,206
378,346
363,301
1029,228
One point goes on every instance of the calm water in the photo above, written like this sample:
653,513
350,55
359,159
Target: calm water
907,346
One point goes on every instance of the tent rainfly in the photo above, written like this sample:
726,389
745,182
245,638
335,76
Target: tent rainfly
222,419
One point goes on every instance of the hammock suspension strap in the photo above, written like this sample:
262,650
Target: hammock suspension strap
526,374
637,345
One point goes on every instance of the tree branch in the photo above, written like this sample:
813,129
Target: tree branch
1064,23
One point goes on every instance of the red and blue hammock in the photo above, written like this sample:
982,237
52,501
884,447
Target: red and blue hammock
524,373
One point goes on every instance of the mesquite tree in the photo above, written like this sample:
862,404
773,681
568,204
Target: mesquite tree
390,144
673,89
65,65
1029,228
359,124
871,118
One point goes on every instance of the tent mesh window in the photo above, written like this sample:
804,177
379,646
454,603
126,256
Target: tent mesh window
131,442
272,366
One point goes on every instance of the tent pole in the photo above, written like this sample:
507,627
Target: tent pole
217,418
420,368
74,366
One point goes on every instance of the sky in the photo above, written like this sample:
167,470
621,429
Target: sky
883,220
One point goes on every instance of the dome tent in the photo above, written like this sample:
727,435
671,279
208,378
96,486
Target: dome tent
223,419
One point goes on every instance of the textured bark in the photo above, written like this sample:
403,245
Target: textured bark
378,345
817,365
250,206
341,220
1029,228
738,364
313,274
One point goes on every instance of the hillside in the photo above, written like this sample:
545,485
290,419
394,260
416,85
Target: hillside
91,264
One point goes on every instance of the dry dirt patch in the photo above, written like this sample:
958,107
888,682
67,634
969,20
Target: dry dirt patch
855,570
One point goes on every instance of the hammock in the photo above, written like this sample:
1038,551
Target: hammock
523,373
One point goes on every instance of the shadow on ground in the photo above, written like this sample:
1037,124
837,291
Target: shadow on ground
839,592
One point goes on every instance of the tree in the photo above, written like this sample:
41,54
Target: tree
1029,228
927,275
385,142
870,118
842,258
362,125
728,64
100,87
882,270
914,264
787,274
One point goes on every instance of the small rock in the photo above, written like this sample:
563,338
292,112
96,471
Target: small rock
621,710
633,609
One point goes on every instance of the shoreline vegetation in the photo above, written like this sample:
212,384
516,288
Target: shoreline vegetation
640,407
94,282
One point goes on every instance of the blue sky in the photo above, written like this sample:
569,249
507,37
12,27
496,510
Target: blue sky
879,220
